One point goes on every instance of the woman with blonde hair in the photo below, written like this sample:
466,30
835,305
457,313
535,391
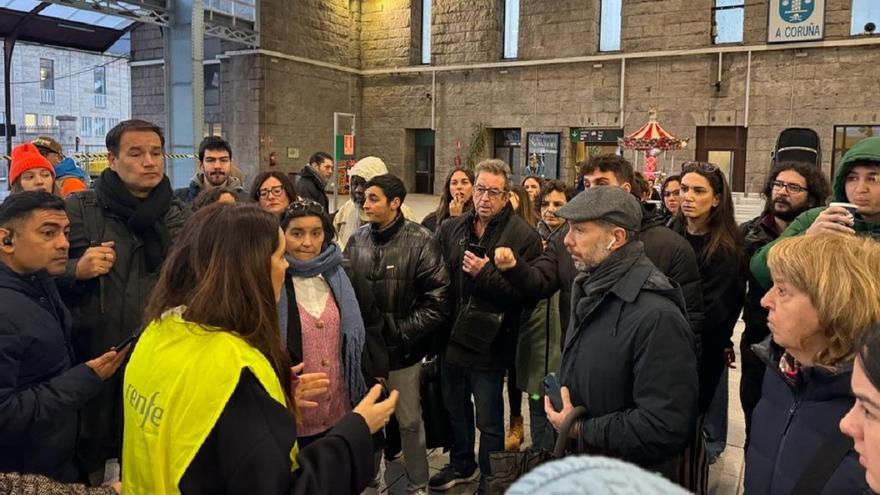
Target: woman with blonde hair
825,293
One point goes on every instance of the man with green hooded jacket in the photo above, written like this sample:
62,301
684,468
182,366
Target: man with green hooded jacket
856,181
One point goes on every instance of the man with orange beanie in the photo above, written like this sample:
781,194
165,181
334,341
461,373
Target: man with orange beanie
30,171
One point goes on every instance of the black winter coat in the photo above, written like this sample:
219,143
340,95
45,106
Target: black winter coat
791,423
106,310
41,389
674,256
756,233
186,195
310,186
629,360
490,286
403,268
723,280
248,451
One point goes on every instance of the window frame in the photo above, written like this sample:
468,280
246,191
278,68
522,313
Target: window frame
714,32
504,28
51,70
619,32
426,38
843,149
852,25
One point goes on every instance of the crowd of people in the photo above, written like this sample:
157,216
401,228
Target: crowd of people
215,339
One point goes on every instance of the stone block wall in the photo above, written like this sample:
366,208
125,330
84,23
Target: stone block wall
271,103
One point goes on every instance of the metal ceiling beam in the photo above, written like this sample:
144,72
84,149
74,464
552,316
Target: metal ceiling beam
136,10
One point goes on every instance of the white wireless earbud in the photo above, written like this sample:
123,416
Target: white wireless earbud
608,248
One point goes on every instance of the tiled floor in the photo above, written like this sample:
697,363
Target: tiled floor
725,476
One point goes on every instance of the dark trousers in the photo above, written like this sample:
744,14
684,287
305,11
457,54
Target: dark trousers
750,382
487,387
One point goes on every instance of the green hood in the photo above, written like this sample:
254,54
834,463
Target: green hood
866,150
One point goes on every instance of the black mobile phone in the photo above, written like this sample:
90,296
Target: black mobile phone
126,341
478,250
553,390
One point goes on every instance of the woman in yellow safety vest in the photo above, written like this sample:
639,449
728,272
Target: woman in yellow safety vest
209,396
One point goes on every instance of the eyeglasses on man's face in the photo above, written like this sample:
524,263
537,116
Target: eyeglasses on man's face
274,191
480,191
788,186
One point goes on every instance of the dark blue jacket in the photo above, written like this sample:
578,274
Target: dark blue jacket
40,389
792,422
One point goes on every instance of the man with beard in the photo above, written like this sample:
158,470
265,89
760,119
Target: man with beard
215,170
314,177
791,189
350,216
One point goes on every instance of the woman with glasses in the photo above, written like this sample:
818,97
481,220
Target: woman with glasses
706,220
824,295
457,198
669,193
321,320
273,191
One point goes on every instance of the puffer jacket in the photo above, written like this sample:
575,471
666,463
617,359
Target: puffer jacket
490,286
41,386
403,266
865,151
107,309
792,422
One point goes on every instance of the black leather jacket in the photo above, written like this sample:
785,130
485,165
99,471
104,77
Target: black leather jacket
404,269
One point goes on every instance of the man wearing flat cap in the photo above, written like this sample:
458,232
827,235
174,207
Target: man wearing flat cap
628,354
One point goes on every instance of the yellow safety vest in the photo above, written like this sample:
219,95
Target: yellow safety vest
178,381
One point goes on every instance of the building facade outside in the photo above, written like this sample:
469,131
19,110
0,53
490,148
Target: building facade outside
539,83
91,92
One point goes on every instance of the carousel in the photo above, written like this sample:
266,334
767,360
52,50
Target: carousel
648,143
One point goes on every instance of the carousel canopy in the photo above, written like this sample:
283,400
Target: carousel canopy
652,136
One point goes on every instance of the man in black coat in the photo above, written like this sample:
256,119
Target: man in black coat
628,357
41,388
314,177
402,263
120,233
487,315
668,251
791,189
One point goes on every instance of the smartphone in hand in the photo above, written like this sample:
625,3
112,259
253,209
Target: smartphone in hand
478,250
126,341
553,390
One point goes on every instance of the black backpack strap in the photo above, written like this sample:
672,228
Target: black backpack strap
823,464
93,218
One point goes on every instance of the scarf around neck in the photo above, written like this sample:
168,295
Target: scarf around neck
142,216
589,288
329,265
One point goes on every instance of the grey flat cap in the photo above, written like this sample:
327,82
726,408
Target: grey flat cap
611,204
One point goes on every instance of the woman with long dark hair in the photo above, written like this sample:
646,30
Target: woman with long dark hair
209,397
456,199
706,220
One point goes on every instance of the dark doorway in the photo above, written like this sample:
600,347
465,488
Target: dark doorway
424,157
508,146
725,146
